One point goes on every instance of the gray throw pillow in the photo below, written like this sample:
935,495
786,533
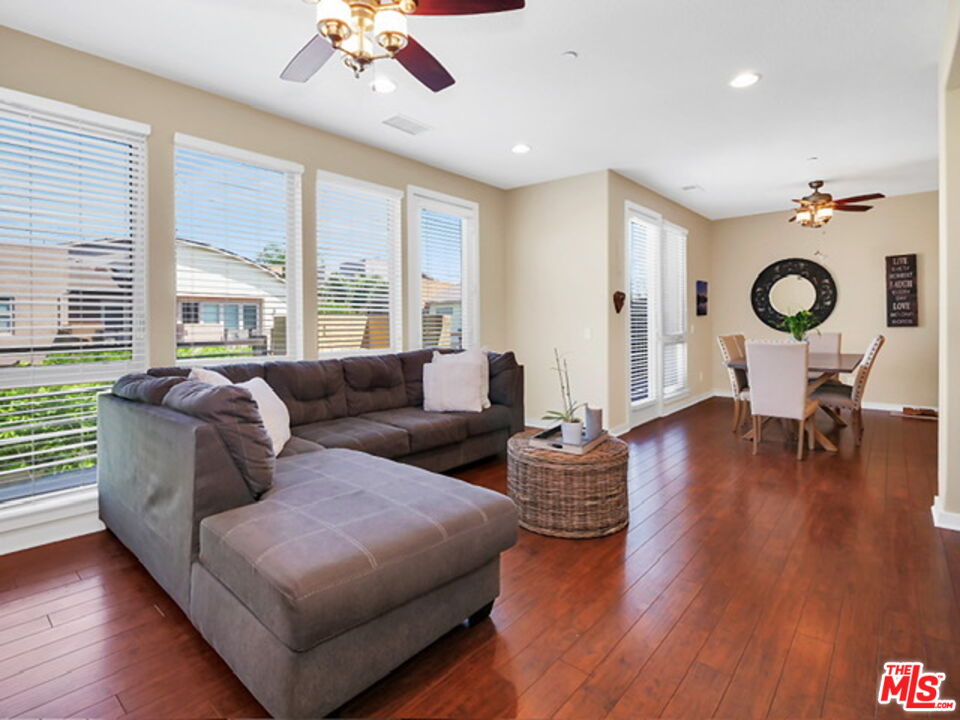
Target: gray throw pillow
234,413
144,388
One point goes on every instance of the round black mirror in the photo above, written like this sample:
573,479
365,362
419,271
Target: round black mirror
788,286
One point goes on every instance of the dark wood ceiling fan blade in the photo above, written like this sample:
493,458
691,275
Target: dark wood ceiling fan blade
308,61
853,208
467,7
424,66
861,198
792,219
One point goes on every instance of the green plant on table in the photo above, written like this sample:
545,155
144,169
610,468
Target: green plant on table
569,412
799,324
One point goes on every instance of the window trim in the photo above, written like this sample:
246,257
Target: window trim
295,311
633,211
469,212
681,338
397,259
9,316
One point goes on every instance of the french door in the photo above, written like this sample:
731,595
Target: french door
656,300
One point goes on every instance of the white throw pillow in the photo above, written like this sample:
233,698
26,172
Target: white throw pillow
451,387
211,377
273,412
477,359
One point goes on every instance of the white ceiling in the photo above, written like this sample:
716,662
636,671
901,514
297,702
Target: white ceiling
852,82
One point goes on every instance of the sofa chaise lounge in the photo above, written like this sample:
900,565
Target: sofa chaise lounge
350,556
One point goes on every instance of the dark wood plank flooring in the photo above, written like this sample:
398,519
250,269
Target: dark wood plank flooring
744,587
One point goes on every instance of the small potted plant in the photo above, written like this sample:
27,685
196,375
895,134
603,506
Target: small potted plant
570,425
799,324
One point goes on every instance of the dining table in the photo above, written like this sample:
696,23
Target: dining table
829,365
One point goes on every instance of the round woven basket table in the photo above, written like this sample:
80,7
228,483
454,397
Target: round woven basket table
569,496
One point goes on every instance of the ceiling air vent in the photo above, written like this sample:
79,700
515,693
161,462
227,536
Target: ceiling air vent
692,188
405,124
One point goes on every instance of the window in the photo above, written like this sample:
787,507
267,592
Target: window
72,194
657,281
674,281
443,266
238,241
6,316
358,267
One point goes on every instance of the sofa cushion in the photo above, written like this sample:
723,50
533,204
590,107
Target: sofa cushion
412,363
235,372
374,383
495,417
427,430
345,537
357,434
312,391
298,446
233,412
144,388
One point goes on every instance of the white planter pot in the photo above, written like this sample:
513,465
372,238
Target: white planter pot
572,433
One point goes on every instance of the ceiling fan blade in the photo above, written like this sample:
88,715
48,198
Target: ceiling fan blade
308,61
853,208
860,198
792,219
424,66
467,7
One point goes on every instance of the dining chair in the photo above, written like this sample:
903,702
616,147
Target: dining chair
732,346
778,388
823,343
839,396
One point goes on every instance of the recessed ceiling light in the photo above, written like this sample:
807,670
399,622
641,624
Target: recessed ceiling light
383,85
570,55
520,149
812,158
745,80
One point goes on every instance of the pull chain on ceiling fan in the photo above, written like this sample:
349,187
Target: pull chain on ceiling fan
817,208
364,31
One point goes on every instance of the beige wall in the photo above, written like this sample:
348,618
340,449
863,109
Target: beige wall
621,191
557,280
947,505
855,247
32,65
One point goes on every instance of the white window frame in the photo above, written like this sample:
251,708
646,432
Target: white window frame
419,198
680,338
394,263
294,258
653,407
18,377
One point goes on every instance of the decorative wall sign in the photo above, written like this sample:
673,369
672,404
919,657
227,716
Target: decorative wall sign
902,306
825,290
702,299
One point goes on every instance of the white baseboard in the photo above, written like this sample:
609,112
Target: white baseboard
687,402
48,518
943,518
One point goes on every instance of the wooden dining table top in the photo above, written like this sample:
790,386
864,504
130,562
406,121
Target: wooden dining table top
818,362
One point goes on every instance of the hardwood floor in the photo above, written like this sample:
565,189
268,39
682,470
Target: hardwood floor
744,587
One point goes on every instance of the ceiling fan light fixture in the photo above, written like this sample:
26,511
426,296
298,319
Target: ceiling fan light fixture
390,30
745,80
333,20
804,217
823,214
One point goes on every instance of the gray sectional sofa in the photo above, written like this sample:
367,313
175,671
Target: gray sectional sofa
315,573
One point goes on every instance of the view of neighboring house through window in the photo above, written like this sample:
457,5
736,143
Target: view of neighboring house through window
238,239
72,211
358,267
443,269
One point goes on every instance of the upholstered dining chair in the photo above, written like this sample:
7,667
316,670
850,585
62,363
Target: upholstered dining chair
732,346
778,388
823,343
850,397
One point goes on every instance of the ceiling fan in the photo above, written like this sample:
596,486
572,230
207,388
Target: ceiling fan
367,30
817,208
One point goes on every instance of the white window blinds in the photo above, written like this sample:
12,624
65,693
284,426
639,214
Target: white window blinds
674,282
443,266
72,214
358,267
643,236
238,238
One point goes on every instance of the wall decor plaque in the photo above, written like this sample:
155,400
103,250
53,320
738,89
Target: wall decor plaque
903,309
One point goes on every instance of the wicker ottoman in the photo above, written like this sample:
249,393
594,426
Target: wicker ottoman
570,496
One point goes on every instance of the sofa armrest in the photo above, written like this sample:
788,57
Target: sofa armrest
161,472
506,388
